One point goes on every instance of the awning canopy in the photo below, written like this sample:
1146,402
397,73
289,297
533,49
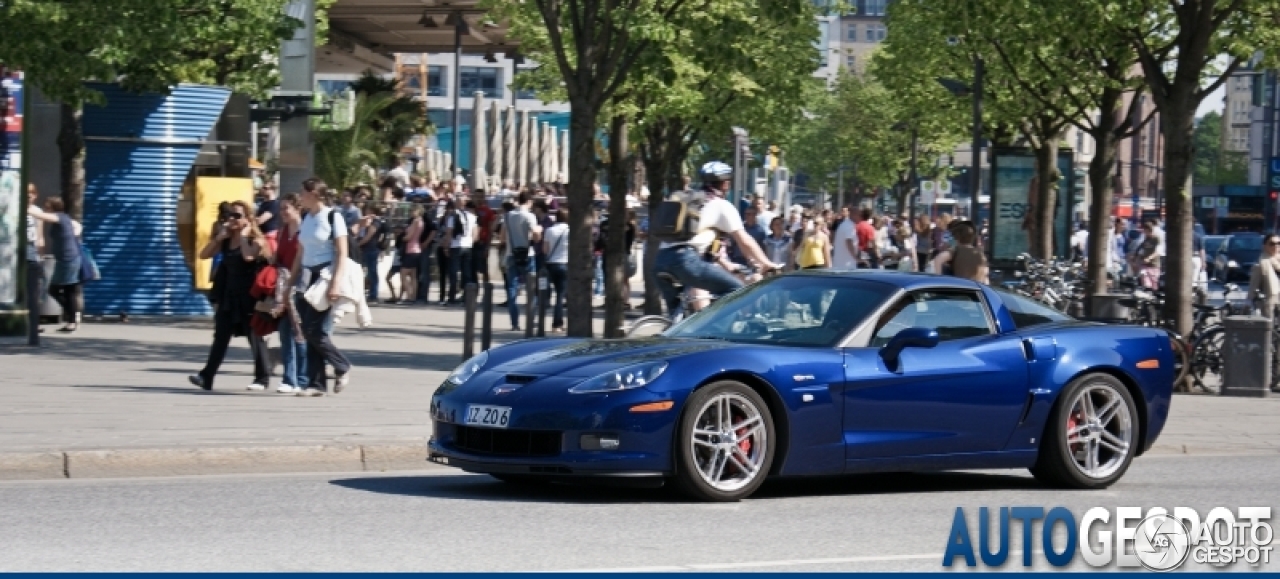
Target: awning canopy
415,26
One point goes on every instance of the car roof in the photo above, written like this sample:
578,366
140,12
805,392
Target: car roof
905,280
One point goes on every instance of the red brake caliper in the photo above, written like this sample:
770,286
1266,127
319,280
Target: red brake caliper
745,444
1072,421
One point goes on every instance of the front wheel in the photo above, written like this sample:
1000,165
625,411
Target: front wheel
648,326
1092,434
1207,361
725,444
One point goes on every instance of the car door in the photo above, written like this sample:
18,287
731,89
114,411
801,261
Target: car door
965,395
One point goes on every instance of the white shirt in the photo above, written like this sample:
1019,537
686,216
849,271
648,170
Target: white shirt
519,225
717,217
840,256
766,218
1080,240
317,248
463,238
557,243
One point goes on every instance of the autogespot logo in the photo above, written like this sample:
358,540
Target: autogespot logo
1158,539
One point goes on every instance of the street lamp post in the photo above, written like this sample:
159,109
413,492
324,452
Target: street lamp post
975,90
459,29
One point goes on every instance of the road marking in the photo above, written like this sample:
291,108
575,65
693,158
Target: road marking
755,564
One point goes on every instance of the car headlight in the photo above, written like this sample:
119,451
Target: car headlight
468,369
624,378
1232,263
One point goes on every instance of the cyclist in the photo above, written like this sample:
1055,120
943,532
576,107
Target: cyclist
693,263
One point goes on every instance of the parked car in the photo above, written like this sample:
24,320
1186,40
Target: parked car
816,373
1235,258
1212,245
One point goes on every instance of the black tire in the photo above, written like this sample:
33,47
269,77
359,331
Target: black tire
648,326
521,479
1057,463
1207,361
688,476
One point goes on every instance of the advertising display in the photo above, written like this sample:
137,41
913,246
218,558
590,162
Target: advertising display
1015,171
11,230
210,192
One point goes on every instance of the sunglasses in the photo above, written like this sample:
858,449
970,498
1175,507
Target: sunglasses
237,216
1272,244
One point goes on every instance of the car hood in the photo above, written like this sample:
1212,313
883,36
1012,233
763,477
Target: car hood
589,358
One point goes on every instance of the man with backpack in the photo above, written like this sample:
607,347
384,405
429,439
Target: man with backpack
460,231
689,225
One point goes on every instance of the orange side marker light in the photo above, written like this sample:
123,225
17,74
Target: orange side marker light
653,406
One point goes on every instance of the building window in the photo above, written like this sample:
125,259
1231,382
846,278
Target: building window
525,93
437,83
852,33
332,88
875,32
875,8
851,63
486,79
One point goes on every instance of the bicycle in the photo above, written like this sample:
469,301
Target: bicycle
1207,361
652,325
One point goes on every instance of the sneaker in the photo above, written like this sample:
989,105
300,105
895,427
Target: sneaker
311,392
341,381
256,387
199,380
288,389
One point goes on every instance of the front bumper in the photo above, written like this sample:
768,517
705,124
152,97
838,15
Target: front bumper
555,433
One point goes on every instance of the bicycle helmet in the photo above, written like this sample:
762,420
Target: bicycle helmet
715,172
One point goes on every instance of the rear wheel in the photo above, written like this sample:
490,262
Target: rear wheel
1207,361
648,326
1092,434
1181,363
725,443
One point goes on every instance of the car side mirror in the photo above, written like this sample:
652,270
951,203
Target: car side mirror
908,338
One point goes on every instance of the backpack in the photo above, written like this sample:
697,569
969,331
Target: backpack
353,245
677,218
383,237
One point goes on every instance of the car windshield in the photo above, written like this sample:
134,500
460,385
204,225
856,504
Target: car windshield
1027,312
1244,244
795,310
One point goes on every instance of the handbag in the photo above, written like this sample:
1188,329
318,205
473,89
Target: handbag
88,267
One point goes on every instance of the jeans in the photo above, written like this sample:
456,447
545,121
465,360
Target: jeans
480,262
597,288
460,270
515,277
370,262
686,265
35,296
223,327
442,265
424,277
558,274
293,355
317,328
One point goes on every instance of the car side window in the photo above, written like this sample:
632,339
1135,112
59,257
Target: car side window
1027,313
955,315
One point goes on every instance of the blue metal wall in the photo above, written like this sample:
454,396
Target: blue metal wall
131,196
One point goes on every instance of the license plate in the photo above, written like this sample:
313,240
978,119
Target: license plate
488,416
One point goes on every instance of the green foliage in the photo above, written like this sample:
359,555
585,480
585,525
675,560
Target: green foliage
399,117
145,44
1212,165
345,158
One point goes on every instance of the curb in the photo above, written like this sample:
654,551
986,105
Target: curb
154,462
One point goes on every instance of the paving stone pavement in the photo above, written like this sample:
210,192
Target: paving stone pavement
122,388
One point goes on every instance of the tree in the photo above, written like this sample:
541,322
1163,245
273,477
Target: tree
146,45
399,117
593,44
1213,165
346,157
1180,44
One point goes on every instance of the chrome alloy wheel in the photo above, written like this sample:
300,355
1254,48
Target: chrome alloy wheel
1099,431
729,441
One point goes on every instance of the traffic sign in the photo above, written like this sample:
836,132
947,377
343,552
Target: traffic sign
928,192
1224,202
1207,202
944,188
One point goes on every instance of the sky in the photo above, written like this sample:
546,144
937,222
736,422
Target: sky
1214,102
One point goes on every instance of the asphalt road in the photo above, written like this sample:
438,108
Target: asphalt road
448,522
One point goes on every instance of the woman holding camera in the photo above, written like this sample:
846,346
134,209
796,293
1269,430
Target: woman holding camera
242,247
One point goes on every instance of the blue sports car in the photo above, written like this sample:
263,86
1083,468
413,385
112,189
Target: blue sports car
817,373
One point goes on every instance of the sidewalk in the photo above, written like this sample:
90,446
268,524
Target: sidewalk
113,400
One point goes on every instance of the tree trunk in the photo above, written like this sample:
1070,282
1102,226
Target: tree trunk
1101,170
1178,124
1046,198
582,177
655,173
71,151
904,193
617,288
